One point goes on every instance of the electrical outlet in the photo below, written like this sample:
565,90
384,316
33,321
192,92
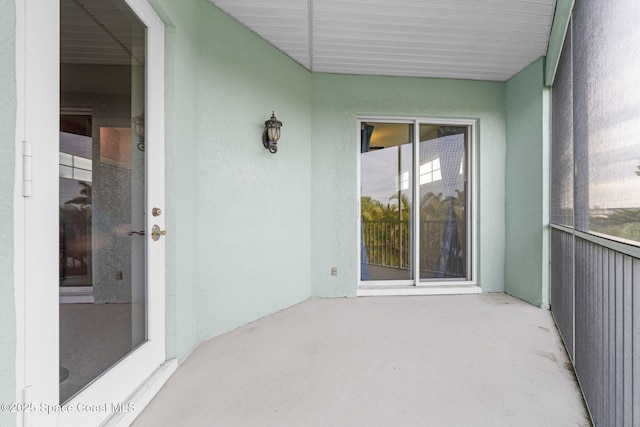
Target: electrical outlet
334,271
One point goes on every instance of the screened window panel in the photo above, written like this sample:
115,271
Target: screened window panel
562,147
592,285
606,54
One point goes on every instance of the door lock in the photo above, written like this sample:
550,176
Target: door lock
156,233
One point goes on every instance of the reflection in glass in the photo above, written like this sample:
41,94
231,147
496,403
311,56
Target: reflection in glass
75,208
102,191
443,225
386,201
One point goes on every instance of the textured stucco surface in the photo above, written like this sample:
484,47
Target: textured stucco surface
338,100
525,185
238,246
182,287
7,136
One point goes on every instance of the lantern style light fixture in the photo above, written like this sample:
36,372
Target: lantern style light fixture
138,128
271,133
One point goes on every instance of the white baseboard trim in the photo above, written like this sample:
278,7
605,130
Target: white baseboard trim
76,295
76,299
419,290
143,395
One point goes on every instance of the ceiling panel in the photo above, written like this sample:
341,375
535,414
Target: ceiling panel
283,23
469,39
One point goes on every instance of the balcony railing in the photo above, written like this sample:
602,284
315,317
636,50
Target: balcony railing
388,244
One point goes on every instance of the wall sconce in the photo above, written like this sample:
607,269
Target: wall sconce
138,128
271,133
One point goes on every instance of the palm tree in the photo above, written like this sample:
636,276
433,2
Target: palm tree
85,195
435,211
386,230
371,209
75,232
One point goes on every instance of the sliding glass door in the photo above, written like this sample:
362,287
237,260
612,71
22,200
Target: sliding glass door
415,202
386,202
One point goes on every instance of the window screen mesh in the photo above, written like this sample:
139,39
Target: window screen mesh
606,108
596,113
562,147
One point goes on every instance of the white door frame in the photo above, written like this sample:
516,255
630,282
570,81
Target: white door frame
36,234
415,286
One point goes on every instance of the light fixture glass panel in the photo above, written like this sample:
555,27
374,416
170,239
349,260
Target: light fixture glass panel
273,132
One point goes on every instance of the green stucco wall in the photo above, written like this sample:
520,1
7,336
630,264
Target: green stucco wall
7,137
181,57
337,102
238,243
249,232
526,187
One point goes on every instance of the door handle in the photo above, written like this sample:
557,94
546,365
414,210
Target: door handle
139,233
156,233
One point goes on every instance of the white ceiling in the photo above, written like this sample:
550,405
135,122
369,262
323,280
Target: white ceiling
465,39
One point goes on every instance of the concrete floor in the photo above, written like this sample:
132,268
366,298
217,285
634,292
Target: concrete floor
474,360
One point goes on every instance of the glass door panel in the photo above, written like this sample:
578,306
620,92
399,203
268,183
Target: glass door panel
443,202
102,189
386,164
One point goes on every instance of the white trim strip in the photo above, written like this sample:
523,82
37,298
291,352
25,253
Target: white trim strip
143,395
420,290
77,299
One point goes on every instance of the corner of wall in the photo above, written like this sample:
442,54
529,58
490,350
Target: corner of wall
241,240
526,185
